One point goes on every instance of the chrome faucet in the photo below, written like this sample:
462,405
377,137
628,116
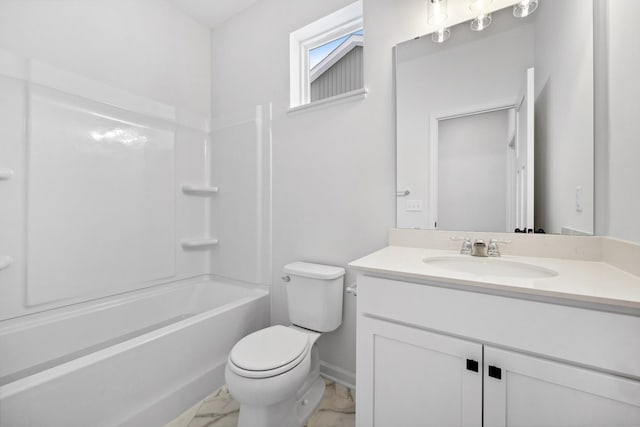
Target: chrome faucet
479,248
466,245
493,249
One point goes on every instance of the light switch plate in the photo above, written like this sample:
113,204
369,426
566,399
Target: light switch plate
414,206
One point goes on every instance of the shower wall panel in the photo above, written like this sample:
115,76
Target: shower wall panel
94,204
101,208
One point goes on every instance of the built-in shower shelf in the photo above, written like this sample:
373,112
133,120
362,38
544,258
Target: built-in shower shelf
200,243
199,190
6,174
5,261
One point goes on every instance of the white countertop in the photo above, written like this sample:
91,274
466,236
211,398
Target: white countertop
579,281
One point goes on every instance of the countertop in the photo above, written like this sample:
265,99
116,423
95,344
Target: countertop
593,282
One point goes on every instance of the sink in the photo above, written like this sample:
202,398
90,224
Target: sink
490,267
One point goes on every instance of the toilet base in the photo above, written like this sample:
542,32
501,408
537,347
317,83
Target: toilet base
310,400
289,413
280,414
292,412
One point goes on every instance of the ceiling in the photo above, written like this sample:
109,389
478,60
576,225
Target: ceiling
211,12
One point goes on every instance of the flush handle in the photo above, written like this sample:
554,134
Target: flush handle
472,365
286,279
495,372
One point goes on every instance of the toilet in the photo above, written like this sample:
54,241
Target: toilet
275,372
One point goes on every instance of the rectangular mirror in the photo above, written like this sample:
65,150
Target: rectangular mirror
495,127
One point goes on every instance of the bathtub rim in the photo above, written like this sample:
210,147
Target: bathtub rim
25,321
10,389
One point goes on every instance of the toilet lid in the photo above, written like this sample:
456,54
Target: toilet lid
269,348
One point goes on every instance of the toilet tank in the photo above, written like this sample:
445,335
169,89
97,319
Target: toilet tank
314,293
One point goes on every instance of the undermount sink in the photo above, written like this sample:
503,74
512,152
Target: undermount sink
490,267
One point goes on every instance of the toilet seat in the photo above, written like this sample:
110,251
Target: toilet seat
269,352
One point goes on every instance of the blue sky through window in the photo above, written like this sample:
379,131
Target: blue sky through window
319,53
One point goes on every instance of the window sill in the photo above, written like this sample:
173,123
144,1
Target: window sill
354,95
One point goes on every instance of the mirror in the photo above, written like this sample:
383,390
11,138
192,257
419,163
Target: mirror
495,127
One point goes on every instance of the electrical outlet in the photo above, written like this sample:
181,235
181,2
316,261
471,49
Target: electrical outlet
414,205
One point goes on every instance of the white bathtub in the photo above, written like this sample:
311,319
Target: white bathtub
135,360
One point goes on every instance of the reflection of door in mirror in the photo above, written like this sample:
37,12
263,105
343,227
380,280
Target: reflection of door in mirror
472,163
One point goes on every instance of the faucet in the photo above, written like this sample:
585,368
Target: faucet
466,245
479,248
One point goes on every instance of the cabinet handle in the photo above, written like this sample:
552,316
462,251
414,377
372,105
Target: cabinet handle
495,372
472,365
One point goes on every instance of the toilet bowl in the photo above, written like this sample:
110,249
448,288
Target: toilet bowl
273,389
275,372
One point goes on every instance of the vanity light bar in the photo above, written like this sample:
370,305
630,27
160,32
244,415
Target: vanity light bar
437,14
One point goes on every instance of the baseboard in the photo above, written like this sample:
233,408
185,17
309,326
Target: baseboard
570,231
338,374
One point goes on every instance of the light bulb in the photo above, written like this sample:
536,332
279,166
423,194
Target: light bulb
441,35
481,22
524,8
436,11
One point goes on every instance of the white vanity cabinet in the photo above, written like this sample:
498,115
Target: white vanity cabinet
538,363
533,391
415,377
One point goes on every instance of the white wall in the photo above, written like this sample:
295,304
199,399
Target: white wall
333,169
564,115
144,46
618,127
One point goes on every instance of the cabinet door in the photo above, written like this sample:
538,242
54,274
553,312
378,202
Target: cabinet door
537,392
410,377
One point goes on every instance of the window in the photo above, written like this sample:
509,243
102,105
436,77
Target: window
326,56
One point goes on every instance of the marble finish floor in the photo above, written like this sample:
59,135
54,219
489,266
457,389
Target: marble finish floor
337,409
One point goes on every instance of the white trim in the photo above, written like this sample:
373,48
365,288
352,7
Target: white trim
331,27
570,231
336,55
354,95
337,374
530,147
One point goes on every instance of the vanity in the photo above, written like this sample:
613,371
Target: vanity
445,339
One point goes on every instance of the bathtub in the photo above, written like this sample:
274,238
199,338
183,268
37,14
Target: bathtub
138,359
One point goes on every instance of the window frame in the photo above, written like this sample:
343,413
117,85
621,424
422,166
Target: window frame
338,24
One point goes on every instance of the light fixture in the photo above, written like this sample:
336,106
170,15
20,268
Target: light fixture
524,8
436,11
441,35
481,22
479,5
